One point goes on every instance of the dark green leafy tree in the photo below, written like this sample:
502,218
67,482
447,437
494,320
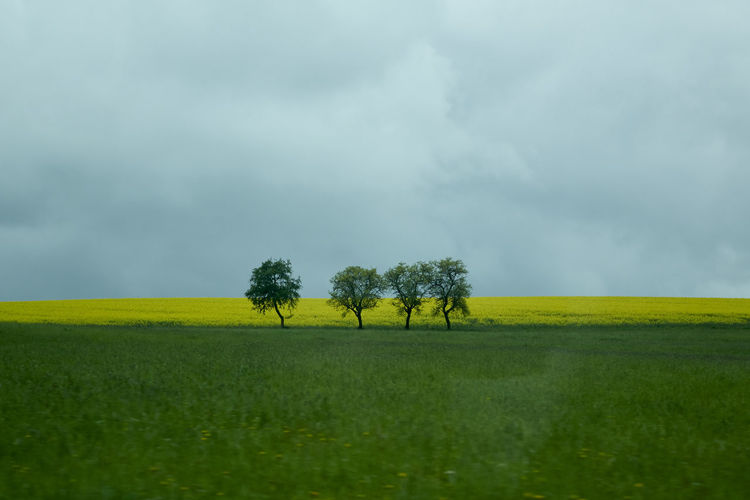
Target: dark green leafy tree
356,289
273,287
449,287
409,283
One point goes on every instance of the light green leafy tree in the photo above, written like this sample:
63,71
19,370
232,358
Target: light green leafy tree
449,288
355,289
410,285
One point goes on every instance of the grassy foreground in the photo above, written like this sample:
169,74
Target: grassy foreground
486,312
171,412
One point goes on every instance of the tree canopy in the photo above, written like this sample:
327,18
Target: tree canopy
449,287
273,287
355,289
409,283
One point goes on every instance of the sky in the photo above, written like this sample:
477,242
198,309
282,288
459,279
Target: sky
166,148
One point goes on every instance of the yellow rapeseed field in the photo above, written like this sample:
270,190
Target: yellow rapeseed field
485,312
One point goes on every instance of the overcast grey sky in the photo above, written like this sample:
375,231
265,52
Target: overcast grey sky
166,148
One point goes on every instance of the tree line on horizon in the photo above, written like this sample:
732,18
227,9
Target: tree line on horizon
356,289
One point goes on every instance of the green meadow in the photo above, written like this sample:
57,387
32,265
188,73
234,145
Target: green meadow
524,411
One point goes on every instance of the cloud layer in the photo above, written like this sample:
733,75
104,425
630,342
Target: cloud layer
167,148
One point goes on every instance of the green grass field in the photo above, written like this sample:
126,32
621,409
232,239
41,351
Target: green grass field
520,410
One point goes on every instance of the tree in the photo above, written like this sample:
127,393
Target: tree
449,288
273,287
410,286
356,289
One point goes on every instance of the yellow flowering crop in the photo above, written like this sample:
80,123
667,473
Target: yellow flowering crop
485,312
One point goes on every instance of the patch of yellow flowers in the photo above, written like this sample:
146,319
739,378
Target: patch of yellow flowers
485,312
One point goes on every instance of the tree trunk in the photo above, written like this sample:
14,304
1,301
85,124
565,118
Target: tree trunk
280,315
447,320
408,316
359,318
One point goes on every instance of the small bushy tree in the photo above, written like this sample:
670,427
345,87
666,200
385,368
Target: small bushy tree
409,283
356,289
273,287
449,288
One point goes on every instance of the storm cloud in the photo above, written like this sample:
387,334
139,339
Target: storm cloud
164,148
